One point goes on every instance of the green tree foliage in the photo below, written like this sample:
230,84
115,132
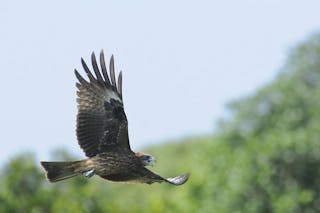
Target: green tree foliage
265,158
284,118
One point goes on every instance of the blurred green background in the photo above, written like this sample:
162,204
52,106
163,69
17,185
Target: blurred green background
265,157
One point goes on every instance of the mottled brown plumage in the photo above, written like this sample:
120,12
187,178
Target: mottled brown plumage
102,132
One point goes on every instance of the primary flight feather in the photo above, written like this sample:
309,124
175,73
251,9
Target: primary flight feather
102,132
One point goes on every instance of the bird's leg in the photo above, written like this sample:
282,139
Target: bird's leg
89,173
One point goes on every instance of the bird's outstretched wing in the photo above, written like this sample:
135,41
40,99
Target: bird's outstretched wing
178,180
101,120
147,176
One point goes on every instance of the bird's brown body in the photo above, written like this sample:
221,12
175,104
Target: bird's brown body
128,162
113,163
102,132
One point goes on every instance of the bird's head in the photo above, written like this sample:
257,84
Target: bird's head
146,159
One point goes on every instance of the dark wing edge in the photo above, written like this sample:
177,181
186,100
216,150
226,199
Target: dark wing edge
94,114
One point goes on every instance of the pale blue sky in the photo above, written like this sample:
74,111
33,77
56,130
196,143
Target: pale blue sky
182,61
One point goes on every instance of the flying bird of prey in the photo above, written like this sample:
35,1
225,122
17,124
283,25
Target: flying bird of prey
102,132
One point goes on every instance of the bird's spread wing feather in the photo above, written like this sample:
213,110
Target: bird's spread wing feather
178,180
147,176
101,120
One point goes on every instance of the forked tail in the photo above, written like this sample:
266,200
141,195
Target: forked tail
57,171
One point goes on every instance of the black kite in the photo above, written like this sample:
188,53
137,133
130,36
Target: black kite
102,132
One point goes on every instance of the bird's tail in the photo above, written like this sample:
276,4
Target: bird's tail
57,171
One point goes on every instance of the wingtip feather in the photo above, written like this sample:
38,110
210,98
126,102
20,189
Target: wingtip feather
87,70
112,72
96,69
179,180
120,83
104,68
79,77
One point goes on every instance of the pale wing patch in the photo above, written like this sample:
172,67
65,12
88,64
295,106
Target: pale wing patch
111,95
